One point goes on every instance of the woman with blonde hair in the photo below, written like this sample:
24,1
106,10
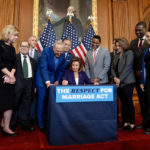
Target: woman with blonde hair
7,78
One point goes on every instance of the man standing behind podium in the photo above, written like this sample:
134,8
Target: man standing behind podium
138,46
97,62
24,88
49,72
35,54
68,55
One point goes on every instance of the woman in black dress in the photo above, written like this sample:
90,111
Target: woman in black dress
7,78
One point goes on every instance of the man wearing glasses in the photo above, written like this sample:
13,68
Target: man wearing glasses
49,72
24,88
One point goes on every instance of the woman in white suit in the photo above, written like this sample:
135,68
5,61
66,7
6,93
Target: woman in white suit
123,75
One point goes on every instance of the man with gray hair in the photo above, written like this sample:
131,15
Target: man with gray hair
49,72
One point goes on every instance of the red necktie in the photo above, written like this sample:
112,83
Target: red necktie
94,57
140,46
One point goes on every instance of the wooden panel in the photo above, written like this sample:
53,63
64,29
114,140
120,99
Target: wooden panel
146,4
25,19
133,6
104,22
146,12
120,19
6,12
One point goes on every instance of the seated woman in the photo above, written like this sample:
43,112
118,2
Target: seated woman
75,75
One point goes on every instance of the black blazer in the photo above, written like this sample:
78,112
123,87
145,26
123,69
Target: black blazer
125,68
138,56
37,56
19,71
83,78
7,59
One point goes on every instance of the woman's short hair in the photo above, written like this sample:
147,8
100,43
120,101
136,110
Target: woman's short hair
123,43
9,29
78,60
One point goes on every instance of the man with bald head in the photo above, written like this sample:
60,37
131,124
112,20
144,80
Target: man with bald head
49,72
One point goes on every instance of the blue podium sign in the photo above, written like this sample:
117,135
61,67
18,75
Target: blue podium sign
81,114
66,94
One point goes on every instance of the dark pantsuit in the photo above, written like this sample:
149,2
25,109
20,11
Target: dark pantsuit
128,113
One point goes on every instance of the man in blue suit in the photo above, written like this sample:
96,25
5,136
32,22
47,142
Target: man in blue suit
49,72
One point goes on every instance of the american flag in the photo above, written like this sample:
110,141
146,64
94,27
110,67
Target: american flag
70,32
87,39
47,38
86,44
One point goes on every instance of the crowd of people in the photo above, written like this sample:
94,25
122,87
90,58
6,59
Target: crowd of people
26,77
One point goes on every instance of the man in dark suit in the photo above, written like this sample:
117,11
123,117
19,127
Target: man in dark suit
138,46
112,55
24,88
49,72
68,55
35,54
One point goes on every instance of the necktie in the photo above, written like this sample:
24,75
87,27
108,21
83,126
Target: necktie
140,46
94,57
25,67
56,63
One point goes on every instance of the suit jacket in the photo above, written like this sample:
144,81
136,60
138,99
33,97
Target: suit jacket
112,55
69,76
19,71
125,68
138,56
67,60
37,56
46,68
101,67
